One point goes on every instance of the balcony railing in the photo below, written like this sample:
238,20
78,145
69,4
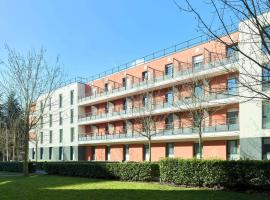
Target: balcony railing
163,132
159,79
155,107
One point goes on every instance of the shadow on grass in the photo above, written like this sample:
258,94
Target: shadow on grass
55,187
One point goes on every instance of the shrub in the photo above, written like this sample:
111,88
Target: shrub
16,167
241,174
130,171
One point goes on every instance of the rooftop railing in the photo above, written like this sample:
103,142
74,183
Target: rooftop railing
177,73
163,132
157,107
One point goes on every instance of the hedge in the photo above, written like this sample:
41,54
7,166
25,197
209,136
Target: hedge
16,167
241,174
144,171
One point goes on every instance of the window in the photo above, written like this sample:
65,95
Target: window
124,104
71,153
265,114
197,62
232,117
50,153
60,155
33,153
106,88
266,148
231,50
93,153
50,103
196,150
146,152
108,153
126,153
50,140
41,137
266,77
124,82
169,122
169,70
266,42
106,108
145,76
145,100
170,150
72,134
169,97
41,106
231,86
232,150
60,118
41,122
125,127
71,116
198,91
61,135
71,97
50,118
41,153
107,129
60,100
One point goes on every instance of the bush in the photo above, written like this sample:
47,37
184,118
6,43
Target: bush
130,171
241,174
16,167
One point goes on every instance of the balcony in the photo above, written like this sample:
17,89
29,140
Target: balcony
185,72
185,132
159,108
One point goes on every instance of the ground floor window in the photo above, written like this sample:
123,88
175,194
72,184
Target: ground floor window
60,157
108,153
146,152
33,153
50,153
266,114
232,150
126,153
41,153
71,153
170,150
93,153
196,150
266,148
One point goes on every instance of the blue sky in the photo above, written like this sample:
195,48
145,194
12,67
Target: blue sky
94,35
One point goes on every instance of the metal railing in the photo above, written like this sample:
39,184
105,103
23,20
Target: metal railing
159,79
154,107
163,132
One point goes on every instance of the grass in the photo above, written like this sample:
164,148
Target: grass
66,188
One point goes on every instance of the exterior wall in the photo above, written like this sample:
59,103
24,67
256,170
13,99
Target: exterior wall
215,150
183,150
100,153
136,152
116,153
158,151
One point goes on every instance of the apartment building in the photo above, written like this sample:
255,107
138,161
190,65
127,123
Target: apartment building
101,119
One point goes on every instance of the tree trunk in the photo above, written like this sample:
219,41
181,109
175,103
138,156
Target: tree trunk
7,151
200,142
26,146
14,145
149,145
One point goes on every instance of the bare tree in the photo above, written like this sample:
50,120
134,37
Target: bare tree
253,16
145,122
33,80
196,101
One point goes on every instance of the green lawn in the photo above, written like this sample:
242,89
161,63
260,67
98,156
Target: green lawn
55,187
